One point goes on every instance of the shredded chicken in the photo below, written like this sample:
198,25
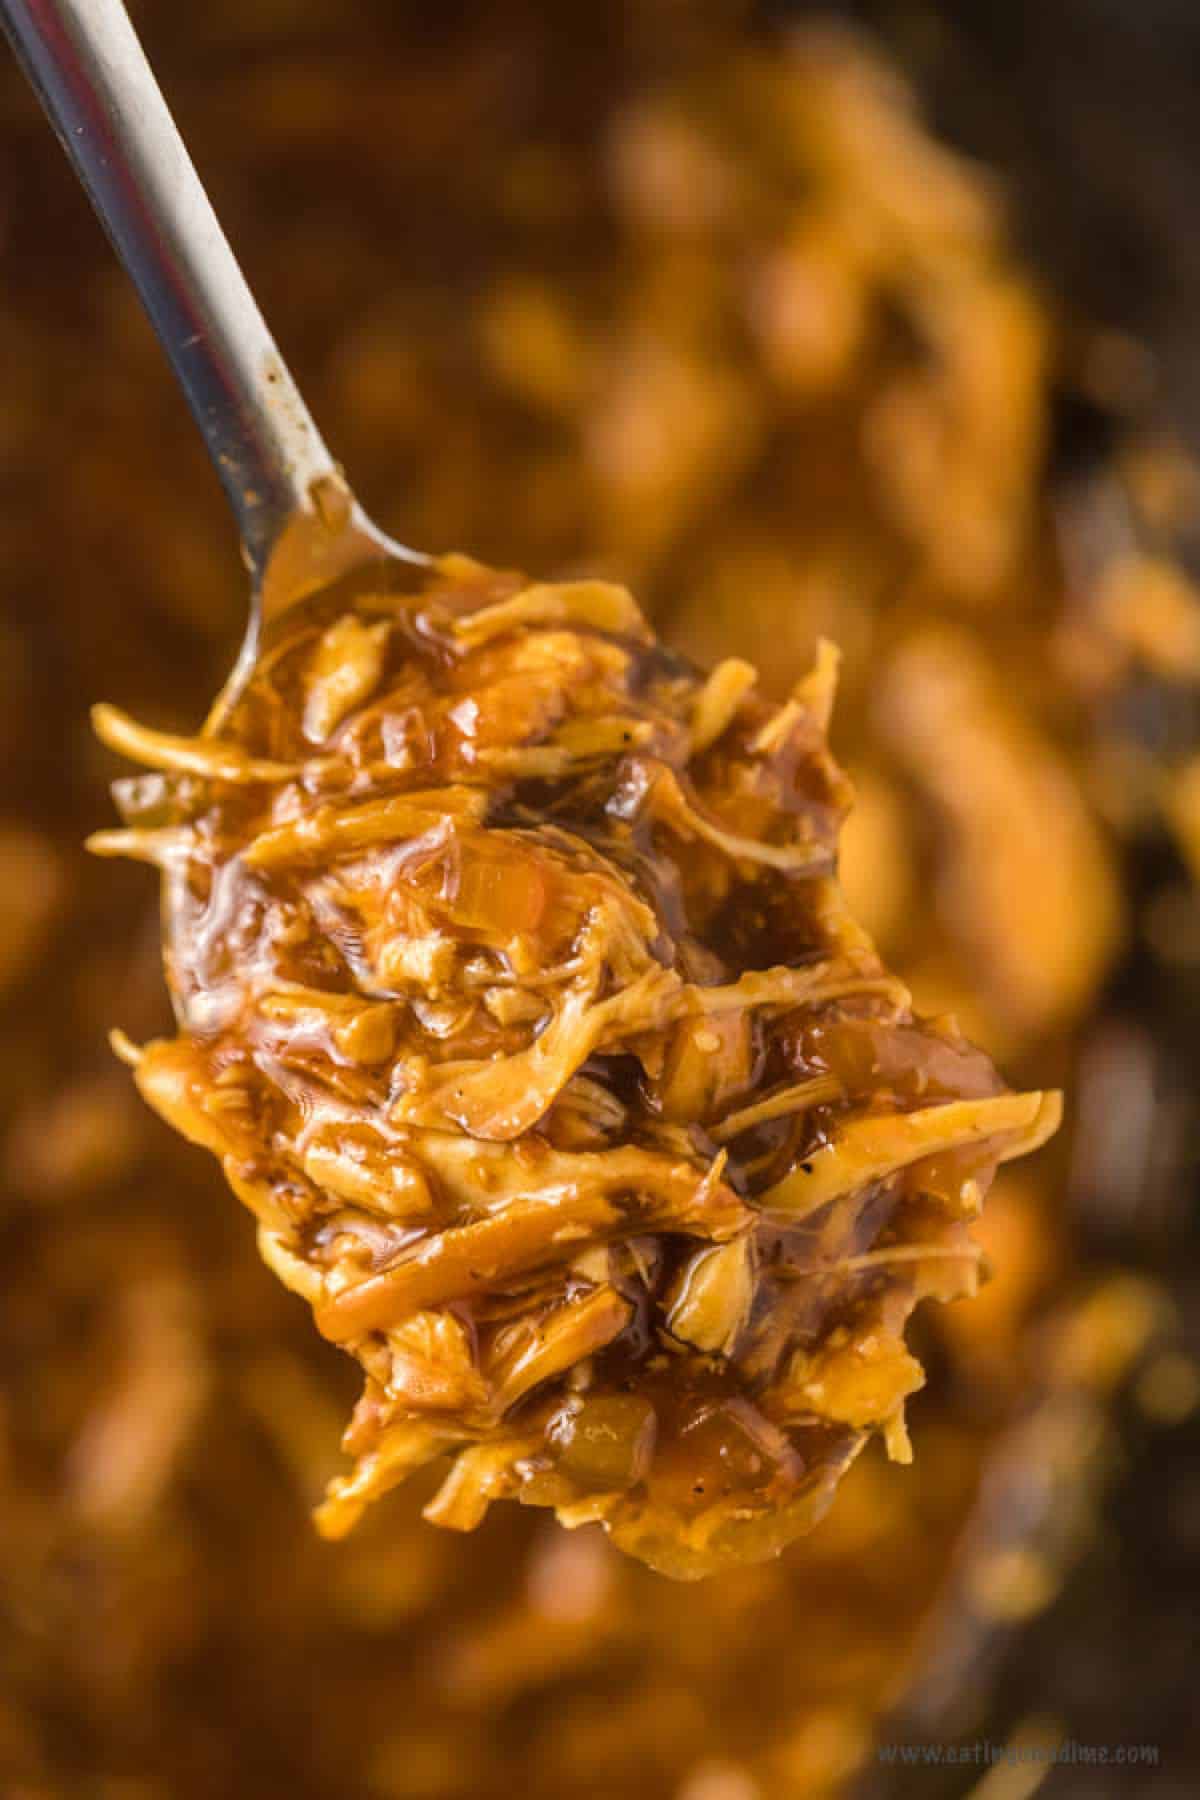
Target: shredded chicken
533,1051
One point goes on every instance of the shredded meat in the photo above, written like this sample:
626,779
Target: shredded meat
518,999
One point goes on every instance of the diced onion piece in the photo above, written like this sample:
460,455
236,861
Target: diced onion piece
495,889
605,1444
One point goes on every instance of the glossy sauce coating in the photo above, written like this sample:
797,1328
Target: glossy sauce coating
520,1002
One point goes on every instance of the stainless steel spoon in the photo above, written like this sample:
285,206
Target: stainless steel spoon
300,525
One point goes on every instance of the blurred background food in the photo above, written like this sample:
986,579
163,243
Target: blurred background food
875,323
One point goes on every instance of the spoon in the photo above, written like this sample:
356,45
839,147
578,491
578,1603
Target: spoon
300,525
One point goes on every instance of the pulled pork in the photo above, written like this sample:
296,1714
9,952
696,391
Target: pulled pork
519,1002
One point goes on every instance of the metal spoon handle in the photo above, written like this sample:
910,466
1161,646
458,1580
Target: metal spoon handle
84,61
